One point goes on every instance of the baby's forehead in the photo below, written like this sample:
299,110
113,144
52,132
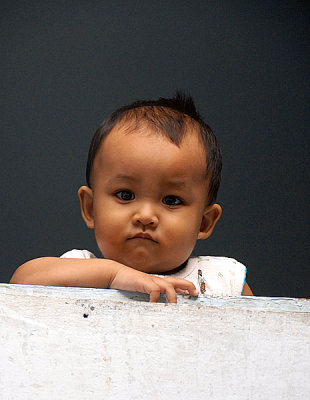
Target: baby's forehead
127,143
172,130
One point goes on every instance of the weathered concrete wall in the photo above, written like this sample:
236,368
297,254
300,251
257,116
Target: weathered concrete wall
72,343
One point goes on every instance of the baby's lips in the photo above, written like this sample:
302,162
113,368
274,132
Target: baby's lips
143,235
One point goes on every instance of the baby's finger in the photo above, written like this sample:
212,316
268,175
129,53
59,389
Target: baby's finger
183,285
171,294
181,291
154,295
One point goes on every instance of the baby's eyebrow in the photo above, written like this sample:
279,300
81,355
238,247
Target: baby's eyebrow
123,177
177,184
169,183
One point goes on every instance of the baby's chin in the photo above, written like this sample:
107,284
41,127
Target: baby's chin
147,263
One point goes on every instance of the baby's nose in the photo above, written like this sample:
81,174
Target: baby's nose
146,215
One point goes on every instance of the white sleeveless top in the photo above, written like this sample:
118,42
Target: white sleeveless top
212,276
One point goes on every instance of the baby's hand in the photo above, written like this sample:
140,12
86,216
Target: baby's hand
130,279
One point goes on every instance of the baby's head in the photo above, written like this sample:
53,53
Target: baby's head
172,118
153,173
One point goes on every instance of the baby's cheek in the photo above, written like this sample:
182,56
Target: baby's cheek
183,239
186,229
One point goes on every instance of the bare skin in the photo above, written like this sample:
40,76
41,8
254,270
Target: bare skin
99,273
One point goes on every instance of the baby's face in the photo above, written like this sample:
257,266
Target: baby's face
148,199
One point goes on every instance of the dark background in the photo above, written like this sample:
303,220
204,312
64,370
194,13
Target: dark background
66,65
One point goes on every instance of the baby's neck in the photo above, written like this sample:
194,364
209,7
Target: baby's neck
175,270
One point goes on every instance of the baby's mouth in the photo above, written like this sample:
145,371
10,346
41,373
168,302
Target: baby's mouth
143,235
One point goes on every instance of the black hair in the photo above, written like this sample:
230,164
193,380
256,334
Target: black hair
170,117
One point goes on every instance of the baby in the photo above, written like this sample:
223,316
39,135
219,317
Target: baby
153,172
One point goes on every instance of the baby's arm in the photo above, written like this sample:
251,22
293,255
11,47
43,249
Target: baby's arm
99,273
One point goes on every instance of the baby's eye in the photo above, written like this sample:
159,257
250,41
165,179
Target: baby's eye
125,195
172,201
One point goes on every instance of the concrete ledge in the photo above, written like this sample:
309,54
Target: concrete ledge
77,343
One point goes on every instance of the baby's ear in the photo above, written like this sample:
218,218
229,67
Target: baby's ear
86,203
210,217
